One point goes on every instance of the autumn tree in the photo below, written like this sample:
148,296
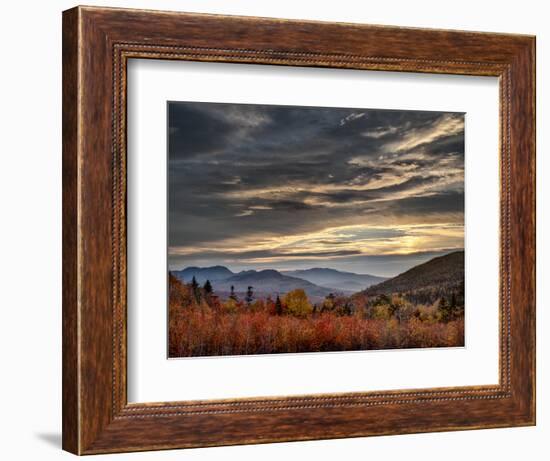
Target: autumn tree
381,300
230,306
259,305
178,294
381,312
297,303
360,303
456,309
347,308
328,303
214,302
396,307
270,306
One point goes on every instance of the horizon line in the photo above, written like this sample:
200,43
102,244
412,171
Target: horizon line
323,268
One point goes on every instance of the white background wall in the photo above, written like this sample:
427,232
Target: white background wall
30,231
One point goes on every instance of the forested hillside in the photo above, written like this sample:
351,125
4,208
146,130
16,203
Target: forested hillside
426,283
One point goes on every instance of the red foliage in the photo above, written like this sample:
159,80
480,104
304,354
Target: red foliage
213,329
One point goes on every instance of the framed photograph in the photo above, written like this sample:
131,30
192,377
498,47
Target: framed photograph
280,189
280,230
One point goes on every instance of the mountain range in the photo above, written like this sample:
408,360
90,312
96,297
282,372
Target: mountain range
440,276
317,282
270,282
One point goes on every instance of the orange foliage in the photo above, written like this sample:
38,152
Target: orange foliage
206,332
233,328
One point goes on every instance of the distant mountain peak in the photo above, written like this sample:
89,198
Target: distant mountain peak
202,274
257,275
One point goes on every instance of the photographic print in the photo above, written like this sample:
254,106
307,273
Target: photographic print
313,229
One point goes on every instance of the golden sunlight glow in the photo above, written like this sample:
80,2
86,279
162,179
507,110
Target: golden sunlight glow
343,240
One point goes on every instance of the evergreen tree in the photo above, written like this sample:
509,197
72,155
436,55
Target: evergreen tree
196,290
445,310
233,296
347,308
208,288
454,308
249,296
278,306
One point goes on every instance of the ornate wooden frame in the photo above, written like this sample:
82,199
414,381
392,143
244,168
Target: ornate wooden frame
97,43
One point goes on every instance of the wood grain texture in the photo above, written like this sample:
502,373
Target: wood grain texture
97,43
70,384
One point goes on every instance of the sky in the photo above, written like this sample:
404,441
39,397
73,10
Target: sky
289,187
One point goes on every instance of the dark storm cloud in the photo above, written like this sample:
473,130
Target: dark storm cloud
194,132
444,202
254,173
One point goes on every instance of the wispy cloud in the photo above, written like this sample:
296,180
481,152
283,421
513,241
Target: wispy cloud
335,242
380,132
351,117
446,125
